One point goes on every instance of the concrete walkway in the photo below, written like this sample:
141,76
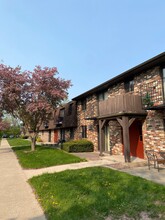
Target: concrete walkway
93,160
137,167
17,200
152,174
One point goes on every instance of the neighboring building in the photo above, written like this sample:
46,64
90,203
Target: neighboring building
62,126
124,115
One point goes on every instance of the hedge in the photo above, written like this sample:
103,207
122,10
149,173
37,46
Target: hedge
78,146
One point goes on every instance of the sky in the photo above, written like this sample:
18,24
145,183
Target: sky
89,41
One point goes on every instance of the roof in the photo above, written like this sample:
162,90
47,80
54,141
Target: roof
157,60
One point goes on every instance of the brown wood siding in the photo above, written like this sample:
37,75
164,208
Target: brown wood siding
70,116
125,103
69,119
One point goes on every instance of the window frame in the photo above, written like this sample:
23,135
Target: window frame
62,113
84,131
83,104
71,133
102,96
129,85
163,82
70,109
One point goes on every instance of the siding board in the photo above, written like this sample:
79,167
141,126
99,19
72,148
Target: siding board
121,104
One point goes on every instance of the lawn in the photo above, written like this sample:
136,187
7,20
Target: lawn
18,142
42,156
98,194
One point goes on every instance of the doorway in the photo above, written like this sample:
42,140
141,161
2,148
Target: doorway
55,136
136,140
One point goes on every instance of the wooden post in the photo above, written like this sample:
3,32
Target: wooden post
101,125
100,138
126,140
125,124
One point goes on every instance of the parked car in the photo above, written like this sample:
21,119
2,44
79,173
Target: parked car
4,136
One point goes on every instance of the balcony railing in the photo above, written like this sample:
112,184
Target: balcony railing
125,103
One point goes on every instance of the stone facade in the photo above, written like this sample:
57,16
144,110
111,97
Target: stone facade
47,136
147,82
154,131
115,134
87,118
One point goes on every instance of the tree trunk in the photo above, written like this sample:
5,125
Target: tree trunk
33,142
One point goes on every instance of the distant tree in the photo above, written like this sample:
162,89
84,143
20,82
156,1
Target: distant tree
31,96
4,125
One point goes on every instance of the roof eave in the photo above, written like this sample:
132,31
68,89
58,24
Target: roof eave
157,60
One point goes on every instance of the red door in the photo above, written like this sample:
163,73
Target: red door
136,142
55,136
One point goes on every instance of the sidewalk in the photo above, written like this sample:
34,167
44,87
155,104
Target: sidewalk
17,200
93,160
138,167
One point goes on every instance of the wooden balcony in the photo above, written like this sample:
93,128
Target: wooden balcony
125,103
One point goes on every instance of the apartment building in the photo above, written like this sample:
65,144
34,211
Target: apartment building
124,115
62,125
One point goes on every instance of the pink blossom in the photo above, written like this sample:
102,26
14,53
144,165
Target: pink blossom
31,96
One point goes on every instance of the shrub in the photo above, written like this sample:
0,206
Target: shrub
24,136
78,146
39,139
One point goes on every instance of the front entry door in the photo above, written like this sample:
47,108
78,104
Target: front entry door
136,142
55,136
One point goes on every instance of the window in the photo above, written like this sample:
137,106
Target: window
71,133
129,86
62,135
103,96
49,136
46,124
164,123
164,81
70,109
62,112
84,131
83,104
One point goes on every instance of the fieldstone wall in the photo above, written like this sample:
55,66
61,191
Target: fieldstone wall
116,89
84,119
150,82
154,131
115,134
43,135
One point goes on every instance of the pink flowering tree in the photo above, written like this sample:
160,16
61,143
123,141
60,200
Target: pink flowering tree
31,96
4,125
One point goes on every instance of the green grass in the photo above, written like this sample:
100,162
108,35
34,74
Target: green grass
42,156
95,193
18,142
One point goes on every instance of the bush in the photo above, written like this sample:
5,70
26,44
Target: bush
24,136
78,146
39,139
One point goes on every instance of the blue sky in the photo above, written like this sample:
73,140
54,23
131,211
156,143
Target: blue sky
89,41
